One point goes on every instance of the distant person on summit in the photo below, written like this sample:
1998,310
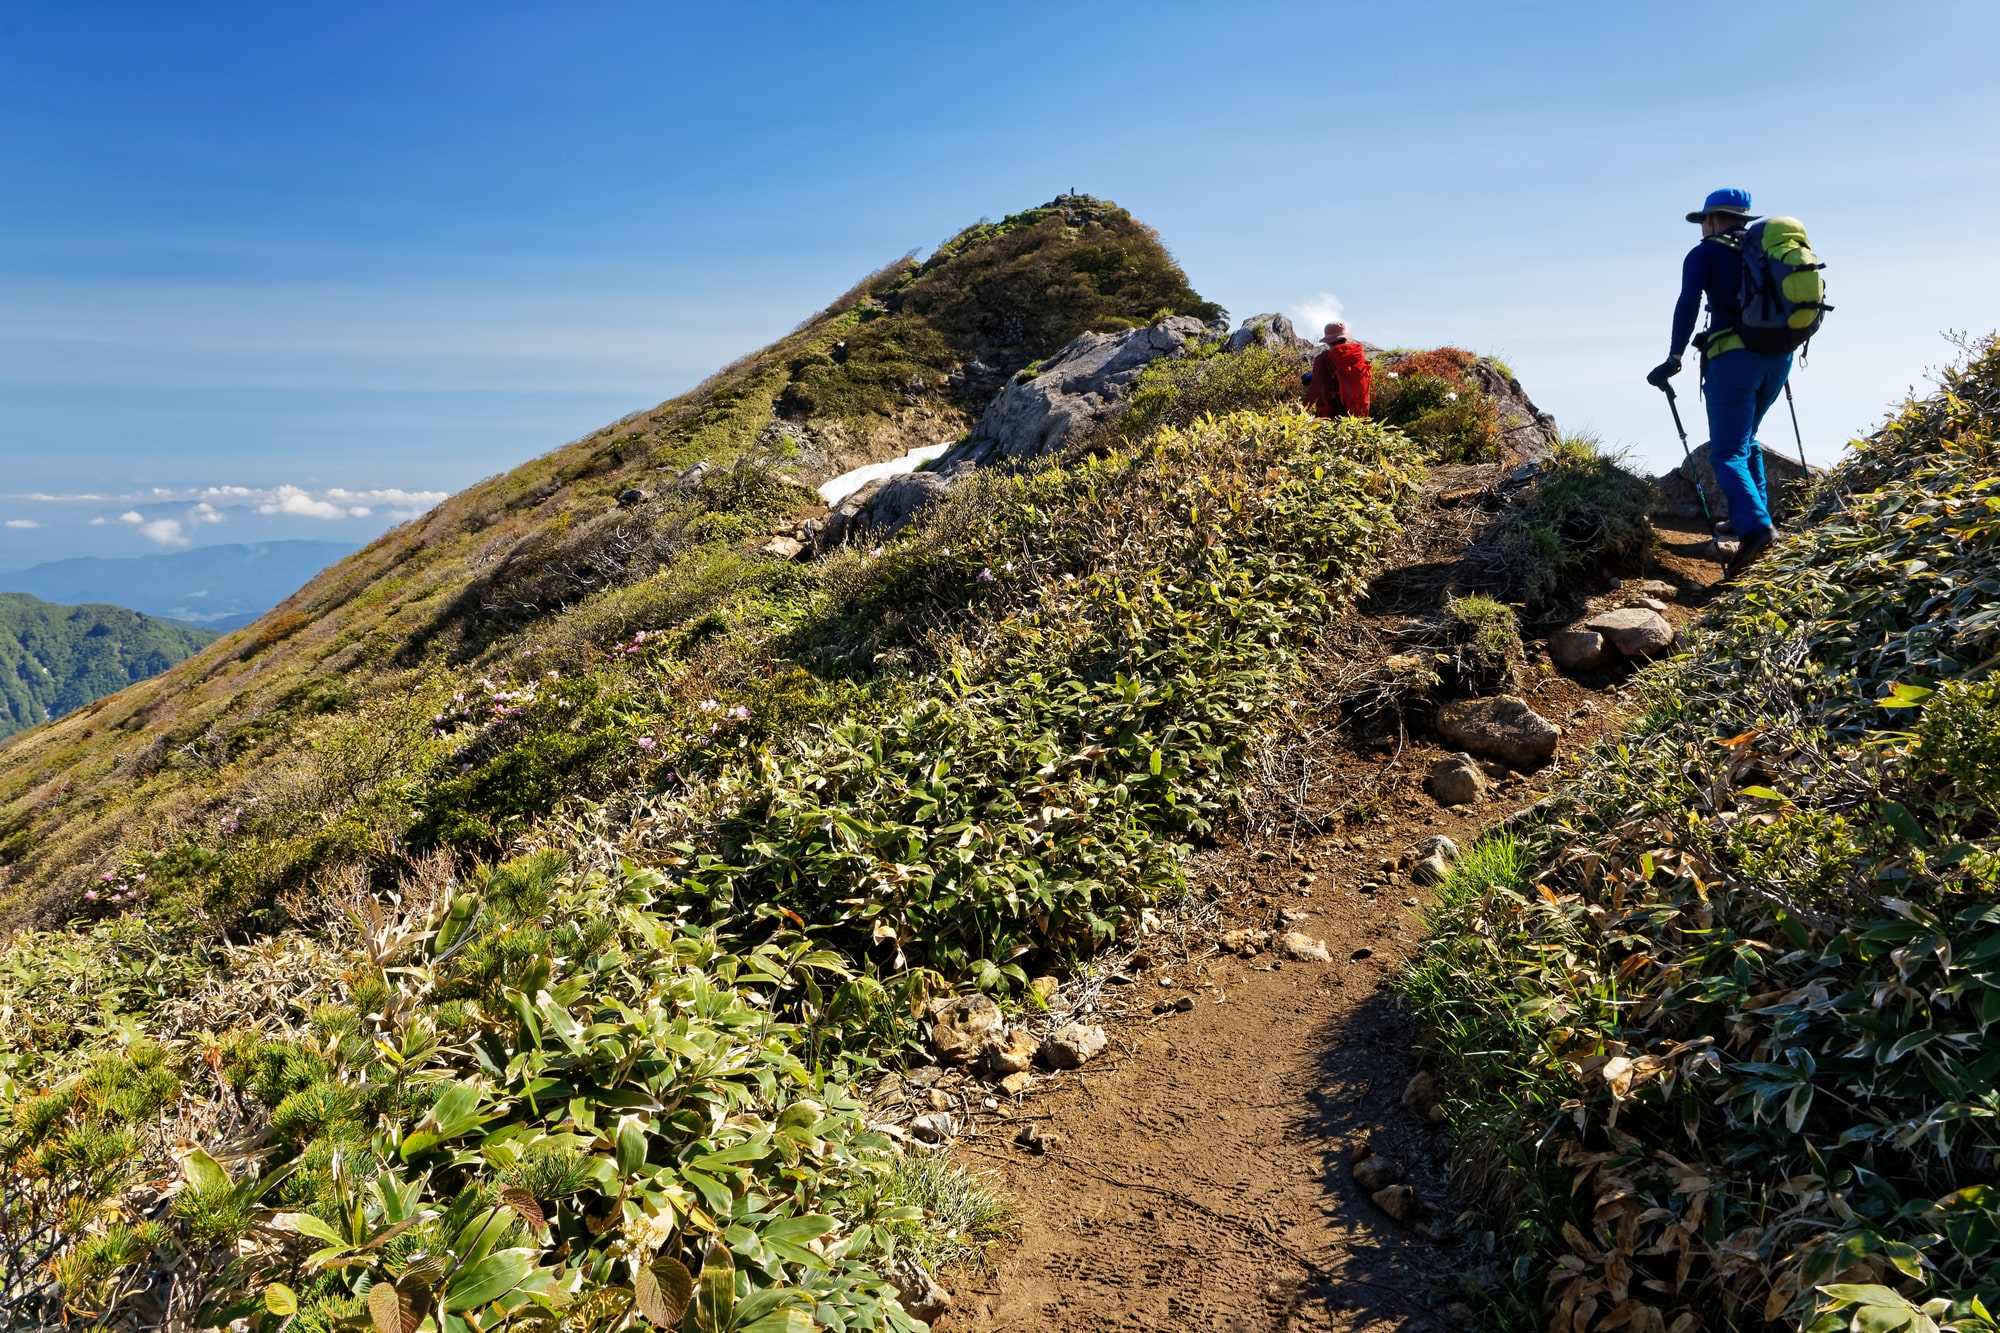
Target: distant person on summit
1740,383
1337,384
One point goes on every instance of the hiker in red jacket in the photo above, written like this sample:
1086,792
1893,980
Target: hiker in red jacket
1337,384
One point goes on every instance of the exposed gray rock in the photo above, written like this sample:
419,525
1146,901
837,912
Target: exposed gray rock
1436,846
1431,870
782,548
1502,727
917,1289
1071,1045
1782,475
1271,330
934,1127
1574,650
1074,389
1456,781
1634,631
902,498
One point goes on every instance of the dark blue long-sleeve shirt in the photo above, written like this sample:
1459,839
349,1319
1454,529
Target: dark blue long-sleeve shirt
1714,268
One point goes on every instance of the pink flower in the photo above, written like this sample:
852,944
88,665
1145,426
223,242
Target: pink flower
740,713
708,705
644,742
110,875
986,575
90,894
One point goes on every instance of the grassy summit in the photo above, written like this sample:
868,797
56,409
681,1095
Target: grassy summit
309,735
56,659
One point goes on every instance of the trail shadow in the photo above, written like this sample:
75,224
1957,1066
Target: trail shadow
1387,1270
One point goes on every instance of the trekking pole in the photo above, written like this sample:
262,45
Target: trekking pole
1694,480
1793,408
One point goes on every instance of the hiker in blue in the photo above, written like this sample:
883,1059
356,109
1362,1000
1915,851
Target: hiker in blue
1740,384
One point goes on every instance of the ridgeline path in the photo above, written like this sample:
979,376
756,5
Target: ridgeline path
1198,1171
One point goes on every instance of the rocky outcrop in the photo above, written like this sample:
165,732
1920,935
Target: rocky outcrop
1787,480
1269,330
1073,390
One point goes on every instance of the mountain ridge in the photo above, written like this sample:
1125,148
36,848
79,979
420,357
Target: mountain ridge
193,586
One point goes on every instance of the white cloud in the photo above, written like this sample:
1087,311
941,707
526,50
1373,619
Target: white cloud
99,521
22,523
1315,314
212,502
164,532
300,504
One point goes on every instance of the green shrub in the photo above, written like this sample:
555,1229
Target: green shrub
1207,380
1582,516
1435,399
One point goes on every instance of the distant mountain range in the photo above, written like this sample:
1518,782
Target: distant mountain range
217,587
57,658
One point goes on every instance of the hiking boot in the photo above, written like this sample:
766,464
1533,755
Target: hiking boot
1754,544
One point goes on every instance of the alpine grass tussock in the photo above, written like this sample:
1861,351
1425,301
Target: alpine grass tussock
1721,1024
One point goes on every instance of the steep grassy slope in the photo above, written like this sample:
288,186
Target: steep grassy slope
54,659
614,1073
295,745
1721,1032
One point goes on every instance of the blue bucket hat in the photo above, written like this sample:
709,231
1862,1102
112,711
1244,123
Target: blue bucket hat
1724,201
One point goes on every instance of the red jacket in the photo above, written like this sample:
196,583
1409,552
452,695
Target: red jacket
1339,385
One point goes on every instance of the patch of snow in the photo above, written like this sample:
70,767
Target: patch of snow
847,483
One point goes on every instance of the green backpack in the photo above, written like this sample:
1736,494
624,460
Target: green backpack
1783,292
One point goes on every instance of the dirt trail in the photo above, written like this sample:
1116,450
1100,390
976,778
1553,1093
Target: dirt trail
1201,1175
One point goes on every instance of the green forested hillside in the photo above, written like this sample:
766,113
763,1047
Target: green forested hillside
57,658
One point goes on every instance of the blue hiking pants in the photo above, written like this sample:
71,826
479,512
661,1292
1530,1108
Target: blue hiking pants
1741,385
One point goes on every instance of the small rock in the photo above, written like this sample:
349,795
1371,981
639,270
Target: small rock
1072,1044
1494,770
1038,1140
889,1089
933,1128
1651,604
1574,650
1436,846
938,1100
1502,727
1648,588
959,1027
1016,1084
917,1289
1376,1172
1185,1004
1634,631
1292,918
1166,981
1409,902
1247,943
924,1077
630,496
782,548
1422,1092
1302,948
1456,781
1011,1051
1370,886
1431,870
1045,987
1399,1202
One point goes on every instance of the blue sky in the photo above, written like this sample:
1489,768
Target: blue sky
311,266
